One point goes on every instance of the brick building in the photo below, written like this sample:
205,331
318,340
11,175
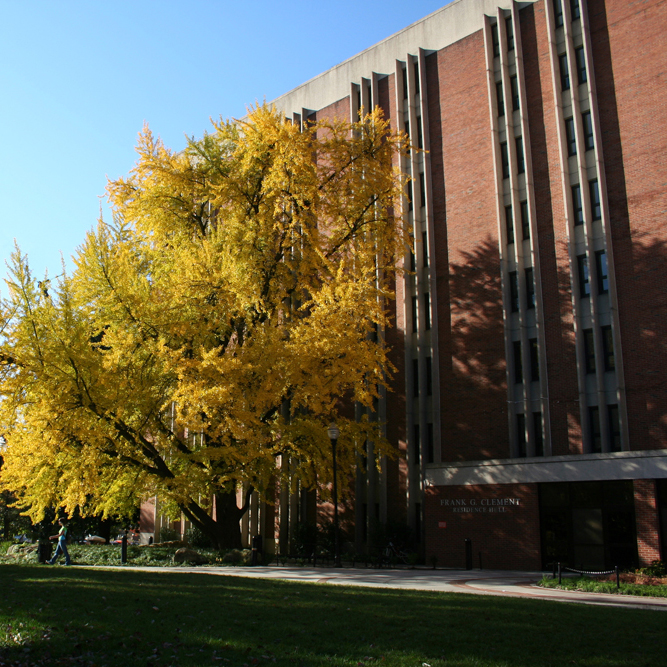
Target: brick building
530,406
531,400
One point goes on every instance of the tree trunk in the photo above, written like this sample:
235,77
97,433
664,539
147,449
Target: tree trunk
225,530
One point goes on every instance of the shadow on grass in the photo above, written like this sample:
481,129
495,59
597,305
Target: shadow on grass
59,616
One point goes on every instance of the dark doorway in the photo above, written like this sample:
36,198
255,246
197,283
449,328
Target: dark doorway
588,525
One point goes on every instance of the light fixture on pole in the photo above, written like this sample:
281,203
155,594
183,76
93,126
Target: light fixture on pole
333,434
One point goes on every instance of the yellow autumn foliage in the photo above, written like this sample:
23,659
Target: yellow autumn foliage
215,325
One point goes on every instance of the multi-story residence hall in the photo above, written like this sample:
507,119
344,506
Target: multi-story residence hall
531,399
530,406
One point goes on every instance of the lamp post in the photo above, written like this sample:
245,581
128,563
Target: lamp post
333,434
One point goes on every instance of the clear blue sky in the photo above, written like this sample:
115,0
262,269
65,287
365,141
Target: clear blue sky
78,80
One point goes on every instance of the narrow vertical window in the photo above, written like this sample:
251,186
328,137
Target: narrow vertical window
608,348
537,430
589,351
420,134
602,271
514,87
415,321
558,13
575,9
509,29
571,137
534,360
584,278
429,376
422,189
425,250
577,205
520,160
429,444
614,428
525,221
413,259
530,289
500,101
505,159
416,451
580,58
405,83
415,377
411,196
406,125
564,72
521,435
514,291
587,120
509,225
596,436
518,365
494,40
596,208
416,70
427,311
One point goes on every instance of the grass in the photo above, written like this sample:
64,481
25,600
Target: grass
102,617
597,586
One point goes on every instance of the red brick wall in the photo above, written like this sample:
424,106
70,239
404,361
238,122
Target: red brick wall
630,61
646,517
501,520
469,296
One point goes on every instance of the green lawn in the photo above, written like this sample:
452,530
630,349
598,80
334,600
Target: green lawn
74,616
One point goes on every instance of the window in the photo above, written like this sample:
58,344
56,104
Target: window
416,71
596,436
429,376
570,137
405,84
420,135
575,9
494,40
601,271
424,250
505,159
530,289
415,320
509,224
514,292
429,443
589,351
577,205
608,348
500,101
564,72
411,196
514,87
614,428
416,451
520,161
525,221
537,430
558,13
521,435
584,278
415,377
407,127
588,130
427,311
534,360
518,365
413,260
580,59
594,191
422,189
509,29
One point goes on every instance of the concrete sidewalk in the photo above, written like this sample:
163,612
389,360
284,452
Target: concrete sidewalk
479,582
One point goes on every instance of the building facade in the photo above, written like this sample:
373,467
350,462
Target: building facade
530,405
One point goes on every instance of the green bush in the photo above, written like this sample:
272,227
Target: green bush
4,546
655,569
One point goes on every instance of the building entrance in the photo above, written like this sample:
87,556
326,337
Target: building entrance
588,525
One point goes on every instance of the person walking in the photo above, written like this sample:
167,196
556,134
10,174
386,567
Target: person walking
62,544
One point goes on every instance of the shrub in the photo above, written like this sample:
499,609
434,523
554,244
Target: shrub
655,569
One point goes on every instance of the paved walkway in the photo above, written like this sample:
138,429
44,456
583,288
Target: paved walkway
480,582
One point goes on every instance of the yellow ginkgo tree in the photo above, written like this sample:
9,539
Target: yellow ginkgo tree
212,329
